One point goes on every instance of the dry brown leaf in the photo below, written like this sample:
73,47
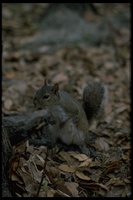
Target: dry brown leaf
102,186
34,172
39,160
8,104
31,187
119,183
126,147
24,168
60,78
67,157
10,74
21,147
67,168
18,195
79,156
53,151
93,185
15,177
110,169
51,192
127,180
95,176
118,192
59,193
111,181
85,163
15,166
101,192
22,160
52,174
73,188
122,109
30,149
125,157
101,144
63,188
82,176
25,176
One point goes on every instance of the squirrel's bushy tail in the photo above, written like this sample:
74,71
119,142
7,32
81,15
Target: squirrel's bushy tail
94,97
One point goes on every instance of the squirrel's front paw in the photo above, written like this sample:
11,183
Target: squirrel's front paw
52,122
49,120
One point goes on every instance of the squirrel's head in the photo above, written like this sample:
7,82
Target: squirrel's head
47,96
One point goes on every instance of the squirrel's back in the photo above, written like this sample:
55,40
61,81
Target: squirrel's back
66,98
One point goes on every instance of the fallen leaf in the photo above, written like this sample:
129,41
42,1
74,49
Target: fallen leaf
39,160
27,179
31,187
119,183
118,192
21,147
121,109
15,177
63,188
60,78
67,157
86,163
51,192
80,157
102,186
10,74
82,176
73,188
95,176
101,144
34,172
52,173
15,166
8,104
67,168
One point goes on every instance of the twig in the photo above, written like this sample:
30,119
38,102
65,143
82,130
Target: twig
43,174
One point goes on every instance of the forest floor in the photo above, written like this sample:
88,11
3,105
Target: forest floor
70,49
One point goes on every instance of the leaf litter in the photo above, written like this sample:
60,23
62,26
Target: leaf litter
69,173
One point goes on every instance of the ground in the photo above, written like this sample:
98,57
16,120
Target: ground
71,48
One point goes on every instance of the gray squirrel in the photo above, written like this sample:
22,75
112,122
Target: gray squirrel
66,118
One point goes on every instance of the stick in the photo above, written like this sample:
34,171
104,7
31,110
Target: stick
43,174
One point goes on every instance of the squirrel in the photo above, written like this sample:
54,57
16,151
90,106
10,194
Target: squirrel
66,118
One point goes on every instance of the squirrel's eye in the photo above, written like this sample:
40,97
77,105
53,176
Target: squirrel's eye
46,96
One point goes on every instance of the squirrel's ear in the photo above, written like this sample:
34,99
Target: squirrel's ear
55,88
46,82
